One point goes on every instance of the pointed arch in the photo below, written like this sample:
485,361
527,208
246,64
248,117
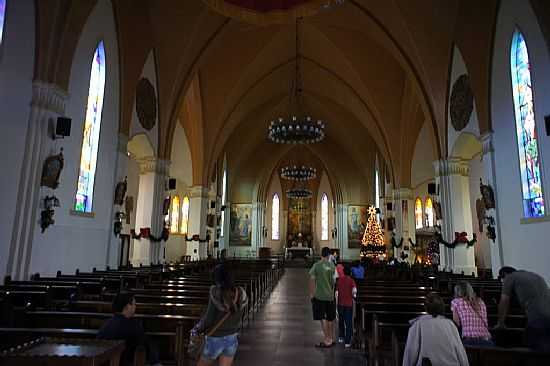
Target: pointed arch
184,215
2,18
275,235
92,127
526,132
429,212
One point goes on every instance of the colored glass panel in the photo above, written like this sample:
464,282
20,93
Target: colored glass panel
2,18
224,183
184,215
324,217
529,158
418,213
275,217
175,214
429,209
90,140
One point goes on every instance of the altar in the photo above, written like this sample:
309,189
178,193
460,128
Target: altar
298,252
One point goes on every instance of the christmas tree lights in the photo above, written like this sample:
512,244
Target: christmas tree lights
373,239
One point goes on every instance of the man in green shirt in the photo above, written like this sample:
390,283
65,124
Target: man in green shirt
321,293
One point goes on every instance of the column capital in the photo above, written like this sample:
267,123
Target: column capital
403,194
151,164
451,166
49,97
198,191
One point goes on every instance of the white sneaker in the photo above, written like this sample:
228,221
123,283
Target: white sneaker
340,340
347,346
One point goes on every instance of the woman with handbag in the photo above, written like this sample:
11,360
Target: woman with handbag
222,320
470,313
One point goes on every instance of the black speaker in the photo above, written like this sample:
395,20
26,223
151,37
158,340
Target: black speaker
63,127
389,206
171,184
547,123
431,188
212,204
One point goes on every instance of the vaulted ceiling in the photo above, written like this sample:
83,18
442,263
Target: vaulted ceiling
375,70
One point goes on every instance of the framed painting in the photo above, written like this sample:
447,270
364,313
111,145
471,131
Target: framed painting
240,225
357,222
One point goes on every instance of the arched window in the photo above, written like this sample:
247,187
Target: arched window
224,184
2,18
90,140
275,217
184,215
377,189
529,162
418,214
324,217
429,210
175,215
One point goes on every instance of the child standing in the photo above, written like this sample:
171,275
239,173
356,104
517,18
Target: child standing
346,291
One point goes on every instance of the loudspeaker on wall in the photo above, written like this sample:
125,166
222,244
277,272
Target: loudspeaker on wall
432,188
547,123
389,206
63,126
171,184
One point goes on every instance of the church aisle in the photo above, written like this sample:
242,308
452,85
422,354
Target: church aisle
284,333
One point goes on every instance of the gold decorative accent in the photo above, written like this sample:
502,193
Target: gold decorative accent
82,214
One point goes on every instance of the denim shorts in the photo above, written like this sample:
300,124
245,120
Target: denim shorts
220,346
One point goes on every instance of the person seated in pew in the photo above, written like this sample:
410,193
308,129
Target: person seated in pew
470,313
358,271
222,319
434,338
533,295
123,326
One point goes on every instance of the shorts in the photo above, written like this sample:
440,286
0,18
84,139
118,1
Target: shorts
215,347
323,310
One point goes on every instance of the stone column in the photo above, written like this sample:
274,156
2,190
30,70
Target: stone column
404,219
342,229
198,209
152,192
453,177
48,103
489,169
258,214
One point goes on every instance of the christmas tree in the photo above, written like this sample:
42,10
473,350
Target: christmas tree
373,239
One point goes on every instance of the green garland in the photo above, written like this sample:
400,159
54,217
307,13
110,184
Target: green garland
413,245
394,243
469,243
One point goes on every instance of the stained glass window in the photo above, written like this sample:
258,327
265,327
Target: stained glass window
224,183
429,210
418,214
184,215
90,140
175,214
275,217
324,217
2,17
529,158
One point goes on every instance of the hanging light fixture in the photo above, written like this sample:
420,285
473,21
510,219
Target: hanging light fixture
302,173
297,128
299,193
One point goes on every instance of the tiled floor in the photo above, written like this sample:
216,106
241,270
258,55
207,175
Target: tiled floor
284,333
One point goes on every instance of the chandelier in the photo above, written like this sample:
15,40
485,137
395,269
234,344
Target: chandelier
297,128
298,173
299,193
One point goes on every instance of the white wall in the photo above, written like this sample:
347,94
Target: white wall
16,76
77,241
523,245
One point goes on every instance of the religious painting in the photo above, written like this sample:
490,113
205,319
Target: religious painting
240,224
299,217
357,222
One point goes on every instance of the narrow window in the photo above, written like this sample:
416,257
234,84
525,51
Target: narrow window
184,215
275,217
529,158
175,214
418,214
324,217
90,140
